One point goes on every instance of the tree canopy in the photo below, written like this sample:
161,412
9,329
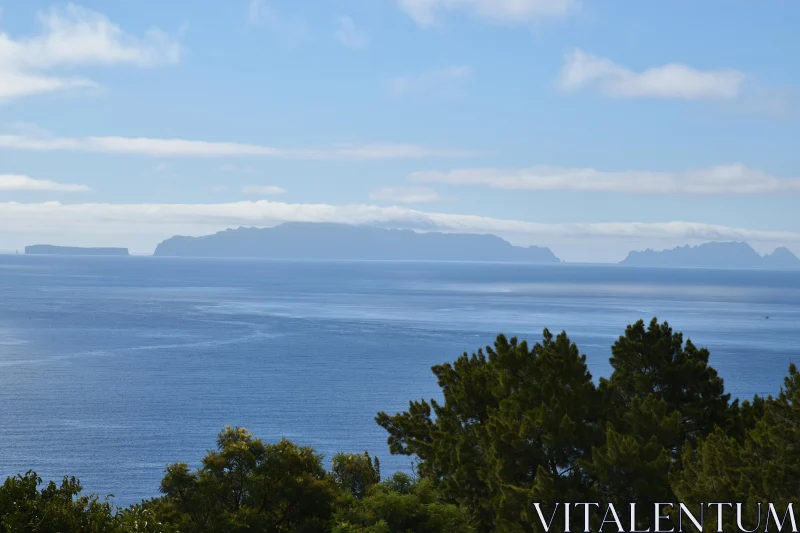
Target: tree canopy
515,424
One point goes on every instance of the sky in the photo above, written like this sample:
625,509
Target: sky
593,128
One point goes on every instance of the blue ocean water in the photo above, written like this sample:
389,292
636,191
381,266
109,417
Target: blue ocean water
110,368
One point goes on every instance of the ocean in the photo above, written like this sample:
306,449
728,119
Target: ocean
113,367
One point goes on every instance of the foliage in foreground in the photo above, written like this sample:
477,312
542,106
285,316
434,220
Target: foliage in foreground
517,424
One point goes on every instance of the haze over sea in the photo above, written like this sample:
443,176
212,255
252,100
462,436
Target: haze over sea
110,368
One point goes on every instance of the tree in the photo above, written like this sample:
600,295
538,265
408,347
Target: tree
400,505
654,360
246,485
547,422
356,473
633,464
449,448
511,430
763,467
662,397
25,507
142,518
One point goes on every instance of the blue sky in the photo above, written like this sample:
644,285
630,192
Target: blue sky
592,128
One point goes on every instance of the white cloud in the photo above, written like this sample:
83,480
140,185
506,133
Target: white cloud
167,219
71,37
348,34
17,84
236,169
17,182
291,29
672,80
160,168
731,179
263,190
206,149
425,12
407,195
443,81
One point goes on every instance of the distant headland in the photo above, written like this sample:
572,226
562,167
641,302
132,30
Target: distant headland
301,240
325,241
345,242
714,255
47,249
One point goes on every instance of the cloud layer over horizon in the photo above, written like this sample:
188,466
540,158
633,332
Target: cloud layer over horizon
165,220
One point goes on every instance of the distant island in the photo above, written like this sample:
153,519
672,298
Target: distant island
47,249
714,255
308,240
